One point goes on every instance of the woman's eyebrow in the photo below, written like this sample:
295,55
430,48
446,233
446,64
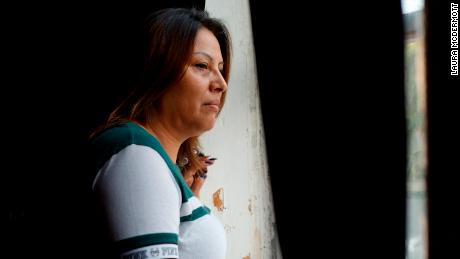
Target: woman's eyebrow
207,55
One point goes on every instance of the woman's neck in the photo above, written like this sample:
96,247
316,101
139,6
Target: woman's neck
170,142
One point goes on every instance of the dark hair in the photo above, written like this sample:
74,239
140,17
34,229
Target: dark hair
169,40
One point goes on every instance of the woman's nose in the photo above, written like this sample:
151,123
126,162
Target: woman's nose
218,83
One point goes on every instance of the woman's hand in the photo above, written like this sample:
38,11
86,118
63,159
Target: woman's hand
195,179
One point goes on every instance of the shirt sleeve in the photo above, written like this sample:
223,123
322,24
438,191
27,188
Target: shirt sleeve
141,202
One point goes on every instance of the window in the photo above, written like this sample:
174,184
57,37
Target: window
415,87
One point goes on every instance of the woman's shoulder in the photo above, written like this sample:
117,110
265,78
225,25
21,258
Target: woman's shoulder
122,135
115,139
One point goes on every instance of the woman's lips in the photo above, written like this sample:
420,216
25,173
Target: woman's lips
214,107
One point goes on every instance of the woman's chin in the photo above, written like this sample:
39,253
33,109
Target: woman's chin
201,128
209,124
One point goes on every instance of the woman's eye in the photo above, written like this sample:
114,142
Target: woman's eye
202,65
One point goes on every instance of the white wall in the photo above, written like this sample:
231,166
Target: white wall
238,188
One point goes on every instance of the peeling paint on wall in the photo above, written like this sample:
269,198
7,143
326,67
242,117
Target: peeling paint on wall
229,228
218,199
250,207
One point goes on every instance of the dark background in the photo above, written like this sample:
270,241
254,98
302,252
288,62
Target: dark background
332,87
443,135
331,83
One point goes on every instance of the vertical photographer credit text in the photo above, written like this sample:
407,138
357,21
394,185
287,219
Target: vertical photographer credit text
454,39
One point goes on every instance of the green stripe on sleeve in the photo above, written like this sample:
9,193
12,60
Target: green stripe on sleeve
196,213
145,240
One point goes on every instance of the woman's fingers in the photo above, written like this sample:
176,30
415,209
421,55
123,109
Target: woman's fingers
188,173
189,180
208,160
195,180
197,184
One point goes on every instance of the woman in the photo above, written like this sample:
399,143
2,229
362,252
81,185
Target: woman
149,209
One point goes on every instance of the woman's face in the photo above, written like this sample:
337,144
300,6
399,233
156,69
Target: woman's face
191,105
